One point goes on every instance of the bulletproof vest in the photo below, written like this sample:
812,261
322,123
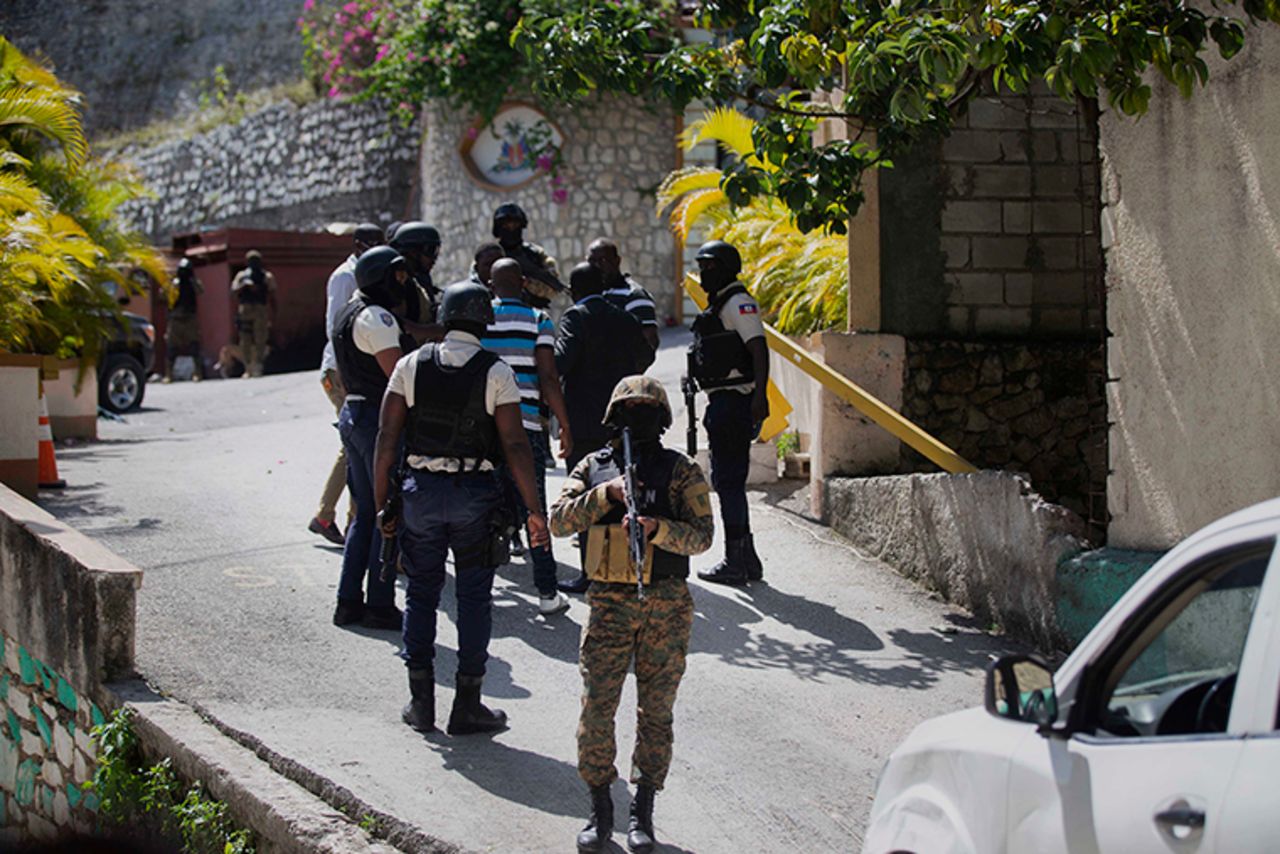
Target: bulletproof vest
654,471
448,417
186,301
716,351
256,292
360,371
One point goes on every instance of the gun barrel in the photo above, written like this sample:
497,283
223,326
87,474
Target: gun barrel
635,534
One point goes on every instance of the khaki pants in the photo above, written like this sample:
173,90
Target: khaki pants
254,327
337,481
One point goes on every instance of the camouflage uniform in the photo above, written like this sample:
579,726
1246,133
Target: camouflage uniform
655,630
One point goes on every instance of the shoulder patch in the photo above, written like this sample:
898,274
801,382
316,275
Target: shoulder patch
748,308
386,318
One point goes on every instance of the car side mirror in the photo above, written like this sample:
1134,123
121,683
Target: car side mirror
1020,688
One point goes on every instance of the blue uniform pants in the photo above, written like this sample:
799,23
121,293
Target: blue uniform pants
358,427
444,512
730,433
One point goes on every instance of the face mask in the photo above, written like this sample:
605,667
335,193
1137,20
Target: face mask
645,422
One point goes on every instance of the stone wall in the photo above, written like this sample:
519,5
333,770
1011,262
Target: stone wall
137,61
616,152
46,754
285,168
1017,406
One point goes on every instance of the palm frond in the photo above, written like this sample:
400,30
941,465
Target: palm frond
693,207
23,108
724,125
682,181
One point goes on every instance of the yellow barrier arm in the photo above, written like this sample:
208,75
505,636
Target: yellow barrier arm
854,395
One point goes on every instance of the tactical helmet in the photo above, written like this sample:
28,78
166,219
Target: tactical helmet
414,235
468,302
509,210
253,255
374,267
723,254
368,234
642,388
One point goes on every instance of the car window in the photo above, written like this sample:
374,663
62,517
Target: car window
1180,676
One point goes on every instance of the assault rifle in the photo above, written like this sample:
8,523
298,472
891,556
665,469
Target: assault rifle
635,532
391,510
689,386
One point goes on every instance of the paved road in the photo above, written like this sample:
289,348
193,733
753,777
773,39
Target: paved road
796,691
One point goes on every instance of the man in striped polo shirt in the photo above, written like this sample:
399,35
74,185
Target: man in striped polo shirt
524,338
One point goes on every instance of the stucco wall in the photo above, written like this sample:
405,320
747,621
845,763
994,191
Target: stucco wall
1193,270
616,152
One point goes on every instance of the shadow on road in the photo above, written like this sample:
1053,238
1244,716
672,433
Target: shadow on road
520,776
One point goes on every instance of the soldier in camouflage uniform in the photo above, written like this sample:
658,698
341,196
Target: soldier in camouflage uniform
675,509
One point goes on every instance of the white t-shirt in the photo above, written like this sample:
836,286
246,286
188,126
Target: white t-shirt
375,329
741,313
338,292
455,350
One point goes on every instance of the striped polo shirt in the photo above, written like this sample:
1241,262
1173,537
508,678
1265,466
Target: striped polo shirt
517,329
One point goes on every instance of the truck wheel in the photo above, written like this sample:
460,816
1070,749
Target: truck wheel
122,383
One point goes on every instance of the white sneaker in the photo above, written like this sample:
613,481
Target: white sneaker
549,606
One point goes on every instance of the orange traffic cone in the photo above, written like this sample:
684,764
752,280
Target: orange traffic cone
48,478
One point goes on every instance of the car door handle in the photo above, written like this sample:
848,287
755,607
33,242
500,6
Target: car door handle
1178,817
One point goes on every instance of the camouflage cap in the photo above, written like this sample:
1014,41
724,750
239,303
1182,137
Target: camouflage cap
642,388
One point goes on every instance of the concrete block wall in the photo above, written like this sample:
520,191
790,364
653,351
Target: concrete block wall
1017,226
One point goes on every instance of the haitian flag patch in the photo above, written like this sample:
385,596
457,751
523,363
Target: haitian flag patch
748,308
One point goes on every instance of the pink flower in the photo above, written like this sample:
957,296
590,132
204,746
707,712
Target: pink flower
334,91
473,132
411,56
348,37
351,8
383,50
327,76
340,19
560,196
544,162
369,17
405,106
556,180
308,5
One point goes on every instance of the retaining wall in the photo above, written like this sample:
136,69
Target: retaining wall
984,541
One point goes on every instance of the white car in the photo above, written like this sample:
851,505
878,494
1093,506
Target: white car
1158,734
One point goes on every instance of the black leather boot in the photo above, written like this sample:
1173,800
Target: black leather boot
577,585
640,826
732,570
600,825
469,715
755,569
420,713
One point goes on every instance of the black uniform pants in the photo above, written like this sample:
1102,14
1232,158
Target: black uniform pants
730,432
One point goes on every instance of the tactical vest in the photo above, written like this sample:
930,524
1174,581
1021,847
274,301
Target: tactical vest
185,304
254,293
654,472
448,417
360,371
716,351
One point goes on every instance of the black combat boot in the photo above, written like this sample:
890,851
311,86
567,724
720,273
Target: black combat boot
640,826
755,569
577,585
600,825
732,570
420,713
469,715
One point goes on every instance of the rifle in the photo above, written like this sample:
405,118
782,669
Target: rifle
391,510
635,533
689,386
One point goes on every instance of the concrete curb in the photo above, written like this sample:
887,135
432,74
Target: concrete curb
284,816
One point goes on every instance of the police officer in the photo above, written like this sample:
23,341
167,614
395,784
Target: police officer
541,278
729,360
255,290
674,508
366,342
458,407
419,245
182,336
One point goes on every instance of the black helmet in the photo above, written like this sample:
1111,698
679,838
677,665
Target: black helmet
723,254
509,210
412,236
368,234
466,302
374,277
